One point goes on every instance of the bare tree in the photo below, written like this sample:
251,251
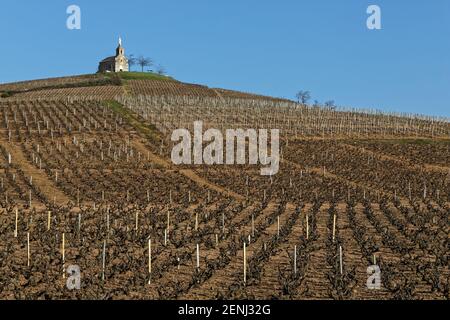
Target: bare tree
132,61
330,105
144,62
161,70
303,96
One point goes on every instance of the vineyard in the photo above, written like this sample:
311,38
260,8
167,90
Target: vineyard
86,180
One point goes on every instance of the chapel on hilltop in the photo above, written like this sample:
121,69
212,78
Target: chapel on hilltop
117,63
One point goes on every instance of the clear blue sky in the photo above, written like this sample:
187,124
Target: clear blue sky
268,47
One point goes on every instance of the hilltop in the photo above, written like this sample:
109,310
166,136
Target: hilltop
112,85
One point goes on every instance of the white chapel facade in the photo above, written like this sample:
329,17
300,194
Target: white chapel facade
117,63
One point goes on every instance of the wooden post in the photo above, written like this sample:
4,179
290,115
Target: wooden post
253,225
223,222
28,249
150,260
79,225
334,227
165,237
295,259
64,254
168,221
196,221
104,260
107,223
49,218
245,263
307,226
16,222
198,258
137,222
340,259
278,226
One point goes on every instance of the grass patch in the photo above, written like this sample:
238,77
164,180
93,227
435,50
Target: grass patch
139,76
6,94
149,131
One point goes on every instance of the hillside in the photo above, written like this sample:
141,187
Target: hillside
86,179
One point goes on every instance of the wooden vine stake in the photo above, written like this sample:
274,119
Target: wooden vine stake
253,225
107,223
63,251
307,227
196,221
278,226
49,219
245,263
16,222
198,258
340,260
295,259
168,221
136,227
28,249
104,260
223,222
334,227
79,225
150,260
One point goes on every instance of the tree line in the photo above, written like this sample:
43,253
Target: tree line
144,62
304,96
